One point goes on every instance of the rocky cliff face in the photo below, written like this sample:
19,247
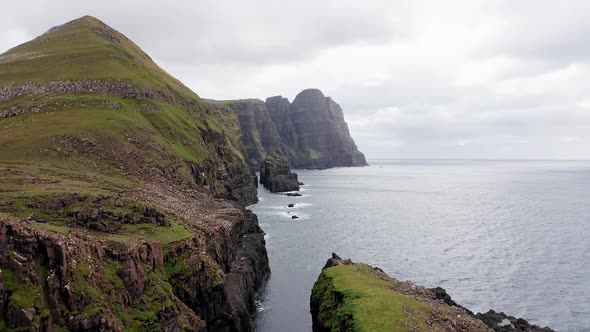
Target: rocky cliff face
259,133
276,174
356,297
310,132
122,193
322,135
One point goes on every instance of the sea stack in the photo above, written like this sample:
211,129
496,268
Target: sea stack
276,174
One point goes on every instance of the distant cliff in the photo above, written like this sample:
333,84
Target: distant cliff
310,132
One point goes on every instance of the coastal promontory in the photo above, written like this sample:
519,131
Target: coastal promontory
351,296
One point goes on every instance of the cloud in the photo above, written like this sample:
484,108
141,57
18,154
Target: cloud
416,79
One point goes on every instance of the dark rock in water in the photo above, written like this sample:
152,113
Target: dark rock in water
501,322
498,321
293,194
294,217
276,174
301,184
291,205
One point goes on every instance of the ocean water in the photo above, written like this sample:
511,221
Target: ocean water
512,236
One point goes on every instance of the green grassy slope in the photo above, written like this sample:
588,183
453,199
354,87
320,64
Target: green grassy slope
164,133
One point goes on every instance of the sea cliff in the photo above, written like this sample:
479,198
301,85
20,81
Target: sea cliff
310,132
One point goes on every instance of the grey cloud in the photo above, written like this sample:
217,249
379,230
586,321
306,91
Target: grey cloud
214,32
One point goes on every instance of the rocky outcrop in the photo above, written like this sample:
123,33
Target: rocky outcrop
366,299
115,87
310,132
500,322
276,174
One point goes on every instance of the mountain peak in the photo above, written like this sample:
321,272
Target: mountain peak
84,49
312,92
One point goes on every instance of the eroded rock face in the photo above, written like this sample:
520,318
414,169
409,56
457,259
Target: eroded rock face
323,138
310,132
84,283
276,174
259,133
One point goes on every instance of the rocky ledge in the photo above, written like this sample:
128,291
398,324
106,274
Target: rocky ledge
357,297
276,174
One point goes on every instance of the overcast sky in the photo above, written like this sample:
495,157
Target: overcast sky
416,79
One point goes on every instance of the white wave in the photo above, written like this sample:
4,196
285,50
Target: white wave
262,306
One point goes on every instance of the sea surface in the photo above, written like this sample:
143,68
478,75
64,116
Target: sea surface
512,236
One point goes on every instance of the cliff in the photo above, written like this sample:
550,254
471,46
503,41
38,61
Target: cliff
321,136
121,193
259,133
350,296
276,174
310,132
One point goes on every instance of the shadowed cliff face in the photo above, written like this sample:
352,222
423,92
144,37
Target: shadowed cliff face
259,133
321,134
310,132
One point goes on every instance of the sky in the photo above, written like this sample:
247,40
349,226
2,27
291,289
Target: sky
468,79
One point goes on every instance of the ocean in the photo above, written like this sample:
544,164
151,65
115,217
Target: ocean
513,236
